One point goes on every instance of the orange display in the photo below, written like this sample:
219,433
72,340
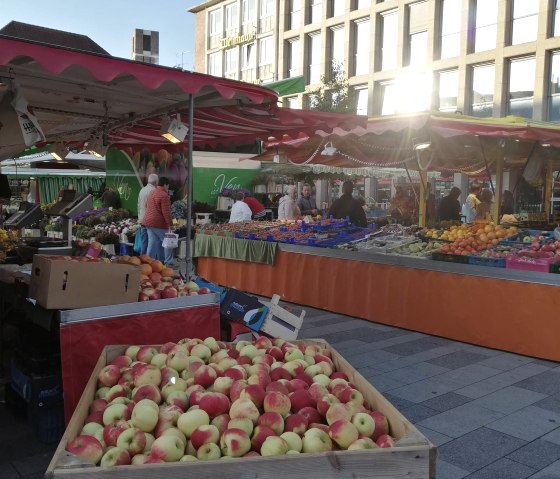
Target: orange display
503,314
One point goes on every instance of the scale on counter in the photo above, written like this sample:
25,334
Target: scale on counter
27,214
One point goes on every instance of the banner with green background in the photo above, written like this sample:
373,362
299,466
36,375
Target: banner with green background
209,182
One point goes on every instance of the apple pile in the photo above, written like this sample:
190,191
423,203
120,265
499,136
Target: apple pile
198,400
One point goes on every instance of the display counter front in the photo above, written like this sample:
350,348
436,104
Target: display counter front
498,308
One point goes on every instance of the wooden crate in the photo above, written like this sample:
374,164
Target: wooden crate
413,458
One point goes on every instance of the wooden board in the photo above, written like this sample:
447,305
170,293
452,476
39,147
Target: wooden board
413,458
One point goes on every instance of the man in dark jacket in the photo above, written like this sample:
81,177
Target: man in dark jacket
348,206
450,207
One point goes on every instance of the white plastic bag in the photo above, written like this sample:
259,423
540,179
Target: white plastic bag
170,240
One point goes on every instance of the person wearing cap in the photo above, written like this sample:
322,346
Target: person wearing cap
348,206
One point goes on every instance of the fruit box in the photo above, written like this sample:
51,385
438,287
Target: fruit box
63,284
413,457
542,265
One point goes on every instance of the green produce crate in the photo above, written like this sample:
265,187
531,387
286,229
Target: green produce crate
450,258
555,268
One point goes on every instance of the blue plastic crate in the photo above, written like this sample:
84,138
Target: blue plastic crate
484,261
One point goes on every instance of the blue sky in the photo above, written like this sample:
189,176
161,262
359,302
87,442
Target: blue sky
110,23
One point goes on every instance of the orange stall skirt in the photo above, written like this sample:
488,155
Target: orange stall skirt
514,316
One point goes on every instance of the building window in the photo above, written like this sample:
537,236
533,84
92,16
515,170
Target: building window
337,47
450,28
336,8
215,22
215,64
389,39
294,54
230,59
362,4
249,10
525,21
292,102
486,25
448,90
147,43
482,93
314,50
554,88
361,47
315,11
521,87
295,14
267,8
232,21
388,98
418,22
265,51
556,19
248,56
361,96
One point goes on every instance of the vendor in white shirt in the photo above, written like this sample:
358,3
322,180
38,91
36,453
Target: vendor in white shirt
240,211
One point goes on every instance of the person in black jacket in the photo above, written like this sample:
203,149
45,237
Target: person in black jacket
348,206
450,207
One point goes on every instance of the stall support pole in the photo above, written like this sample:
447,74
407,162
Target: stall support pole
422,199
188,249
548,189
499,188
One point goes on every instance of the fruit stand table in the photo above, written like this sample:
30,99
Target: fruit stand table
505,309
85,332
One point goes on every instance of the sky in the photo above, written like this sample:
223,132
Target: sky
111,23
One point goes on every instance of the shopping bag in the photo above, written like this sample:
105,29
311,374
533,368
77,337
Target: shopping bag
138,241
170,240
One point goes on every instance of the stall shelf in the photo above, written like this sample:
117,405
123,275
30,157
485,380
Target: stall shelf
492,307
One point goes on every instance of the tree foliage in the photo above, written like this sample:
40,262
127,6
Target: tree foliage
334,94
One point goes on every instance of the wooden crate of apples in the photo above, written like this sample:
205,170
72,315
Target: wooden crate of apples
272,407
160,282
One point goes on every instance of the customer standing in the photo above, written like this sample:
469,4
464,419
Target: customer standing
240,211
348,206
471,203
287,208
142,201
157,220
306,204
450,207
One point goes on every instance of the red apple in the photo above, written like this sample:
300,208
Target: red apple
259,436
214,403
272,420
86,447
255,393
311,414
296,423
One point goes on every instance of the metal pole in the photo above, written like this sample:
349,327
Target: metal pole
486,164
188,252
499,188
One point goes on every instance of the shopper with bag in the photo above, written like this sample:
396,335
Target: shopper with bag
157,220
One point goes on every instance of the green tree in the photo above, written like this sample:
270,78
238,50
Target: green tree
334,94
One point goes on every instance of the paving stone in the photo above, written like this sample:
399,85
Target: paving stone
7,471
449,471
436,438
32,464
482,350
470,374
509,399
503,469
417,346
422,390
551,403
458,359
506,361
398,402
553,436
549,364
405,338
381,366
461,420
327,321
416,372
528,423
417,413
549,472
436,352
383,383
537,454
547,383
478,448
370,358
446,401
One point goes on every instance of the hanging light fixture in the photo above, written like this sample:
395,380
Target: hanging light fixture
422,145
173,129
329,149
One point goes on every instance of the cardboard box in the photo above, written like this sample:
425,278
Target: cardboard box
241,307
68,284
414,456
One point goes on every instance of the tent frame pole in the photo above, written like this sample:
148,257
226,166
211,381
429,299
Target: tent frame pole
548,189
499,188
188,250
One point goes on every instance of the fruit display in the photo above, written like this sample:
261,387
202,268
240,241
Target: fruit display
158,281
499,251
200,400
486,232
540,250
420,249
9,239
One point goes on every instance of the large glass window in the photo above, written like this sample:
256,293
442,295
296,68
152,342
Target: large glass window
295,13
450,28
363,4
265,51
215,64
486,25
294,55
336,8
448,89
316,11
232,20
292,102
337,46
361,95
554,88
525,21
407,94
389,98
249,9
267,8
314,57
418,22
247,56
482,93
230,58
215,22
521,87
389,40
361,47
556,19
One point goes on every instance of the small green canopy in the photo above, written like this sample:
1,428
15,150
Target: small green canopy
289,86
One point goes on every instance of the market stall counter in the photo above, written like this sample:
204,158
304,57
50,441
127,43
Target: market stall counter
511,310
